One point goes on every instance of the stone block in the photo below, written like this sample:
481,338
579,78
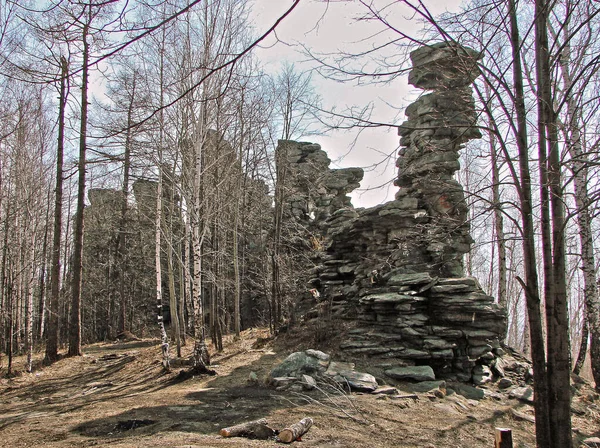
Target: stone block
417,373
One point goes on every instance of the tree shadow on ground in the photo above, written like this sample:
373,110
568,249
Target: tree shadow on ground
94,384
222,401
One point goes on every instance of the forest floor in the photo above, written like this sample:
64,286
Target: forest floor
118,395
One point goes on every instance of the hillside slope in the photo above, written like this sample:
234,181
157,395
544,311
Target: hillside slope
117,395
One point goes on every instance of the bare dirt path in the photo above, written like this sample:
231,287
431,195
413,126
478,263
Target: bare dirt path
117,395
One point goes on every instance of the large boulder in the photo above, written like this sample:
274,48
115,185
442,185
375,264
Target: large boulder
310,362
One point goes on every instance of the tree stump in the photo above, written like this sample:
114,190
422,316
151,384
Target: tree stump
295,431
503,438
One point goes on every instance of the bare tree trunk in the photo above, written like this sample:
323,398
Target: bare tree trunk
42,283
29,307
281,170
122,240
531,284
11,327
236,264
159,306
171,276
77,270
585,334
201,357
559,367
499,225
579,167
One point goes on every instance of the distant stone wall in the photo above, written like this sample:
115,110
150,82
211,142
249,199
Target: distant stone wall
396,269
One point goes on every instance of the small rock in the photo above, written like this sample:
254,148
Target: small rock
418,373
298,363
529,375
308,382
505,383
439,393
481,375
516,366
283,381
253,378
498,368
492,394
522,393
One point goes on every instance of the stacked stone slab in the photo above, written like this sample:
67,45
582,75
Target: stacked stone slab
438,124
395,270
311,189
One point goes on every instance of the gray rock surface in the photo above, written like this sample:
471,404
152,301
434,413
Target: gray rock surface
482,375
522,393
358,381
469,392
299,363
396,269
425,386
417,373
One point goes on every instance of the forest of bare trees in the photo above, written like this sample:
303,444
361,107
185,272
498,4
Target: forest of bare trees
138,173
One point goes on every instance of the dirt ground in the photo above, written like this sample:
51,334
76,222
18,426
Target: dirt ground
118,395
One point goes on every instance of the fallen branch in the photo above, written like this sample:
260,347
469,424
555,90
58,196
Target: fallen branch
405,397
257,429
519,416
295,431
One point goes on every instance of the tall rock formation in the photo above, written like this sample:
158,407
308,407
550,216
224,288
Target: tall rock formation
395,270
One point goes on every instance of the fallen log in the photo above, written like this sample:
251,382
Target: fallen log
295,431
257,429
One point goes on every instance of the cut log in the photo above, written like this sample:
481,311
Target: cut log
257,429
295,431
503,438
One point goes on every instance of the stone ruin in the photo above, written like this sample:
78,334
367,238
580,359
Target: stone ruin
395,271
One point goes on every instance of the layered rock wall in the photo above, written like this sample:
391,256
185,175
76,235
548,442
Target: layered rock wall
396,270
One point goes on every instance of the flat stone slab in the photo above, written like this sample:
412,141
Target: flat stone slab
358,381
469,392
425,386
409,279
417,373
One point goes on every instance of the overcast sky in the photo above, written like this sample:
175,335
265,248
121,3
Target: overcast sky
333,28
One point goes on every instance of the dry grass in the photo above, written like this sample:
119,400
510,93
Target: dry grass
126,400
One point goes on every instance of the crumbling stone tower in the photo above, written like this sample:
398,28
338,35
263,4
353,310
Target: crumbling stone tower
395,271
438,125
